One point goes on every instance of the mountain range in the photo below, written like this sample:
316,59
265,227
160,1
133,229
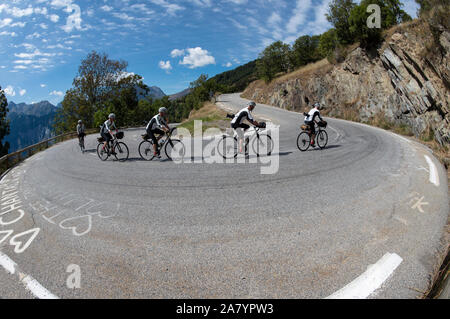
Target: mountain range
32,123
29,123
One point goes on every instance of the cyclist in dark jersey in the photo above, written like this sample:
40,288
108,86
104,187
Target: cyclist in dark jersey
157,125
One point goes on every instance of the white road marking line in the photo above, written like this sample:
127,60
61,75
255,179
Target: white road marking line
434,176
37,289
7,263
375,275
337,133
29,282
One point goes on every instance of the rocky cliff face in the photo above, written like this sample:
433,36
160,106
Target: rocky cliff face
399,82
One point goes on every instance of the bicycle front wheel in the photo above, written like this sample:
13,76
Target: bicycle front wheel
102,154
146,150
303,141
175,150
122,151
227,147
263,145
322,139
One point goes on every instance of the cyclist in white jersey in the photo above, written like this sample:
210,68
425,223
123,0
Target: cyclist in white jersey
157,125
310,120
238,126
106,129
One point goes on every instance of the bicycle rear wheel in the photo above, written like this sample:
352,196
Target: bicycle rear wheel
122,151
303,141
262,145
322,139
146,150
175,150
102,154
227,147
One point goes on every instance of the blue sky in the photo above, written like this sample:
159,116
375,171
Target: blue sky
169,42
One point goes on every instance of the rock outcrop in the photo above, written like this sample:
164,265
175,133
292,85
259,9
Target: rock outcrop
399,82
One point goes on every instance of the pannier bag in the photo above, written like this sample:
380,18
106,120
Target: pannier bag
322,124
304,127
119,135
100,139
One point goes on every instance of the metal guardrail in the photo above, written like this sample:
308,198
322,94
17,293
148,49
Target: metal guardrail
12,159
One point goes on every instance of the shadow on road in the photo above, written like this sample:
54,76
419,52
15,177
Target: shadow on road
326,148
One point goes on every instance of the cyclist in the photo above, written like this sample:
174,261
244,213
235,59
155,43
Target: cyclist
81,132
158,125
106,130
310,118
238,126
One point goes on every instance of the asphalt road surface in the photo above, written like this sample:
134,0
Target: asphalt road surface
72,226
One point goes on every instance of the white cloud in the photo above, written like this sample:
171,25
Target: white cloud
299,15
11,34
5,22
229,64
54,18
9,90
19,24
22,92
106,8
238,1
176,53
43,85
165,66
123,16
57,93
197,57
171,8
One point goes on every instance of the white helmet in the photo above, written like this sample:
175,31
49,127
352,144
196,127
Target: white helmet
112,116
251,103
80,121
162,110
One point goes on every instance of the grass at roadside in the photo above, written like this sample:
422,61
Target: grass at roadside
211,117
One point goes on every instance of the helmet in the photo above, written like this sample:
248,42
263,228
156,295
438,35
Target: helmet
317,105
80,121
251,103
112,116
162,110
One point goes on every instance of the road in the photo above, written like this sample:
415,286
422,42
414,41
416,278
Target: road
82,228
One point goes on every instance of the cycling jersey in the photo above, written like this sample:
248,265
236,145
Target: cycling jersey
80,129
242,115
312,115
108,126
156,122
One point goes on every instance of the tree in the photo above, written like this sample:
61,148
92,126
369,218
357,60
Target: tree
98,76
305,51
101,86
273,60
4,123
327,43
338,15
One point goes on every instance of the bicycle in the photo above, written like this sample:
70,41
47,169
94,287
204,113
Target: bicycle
304,138
228,145
172,147
119,149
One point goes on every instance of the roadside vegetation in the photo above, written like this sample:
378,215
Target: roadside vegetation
211,117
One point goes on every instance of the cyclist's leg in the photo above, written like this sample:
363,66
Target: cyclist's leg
312,129
151,133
